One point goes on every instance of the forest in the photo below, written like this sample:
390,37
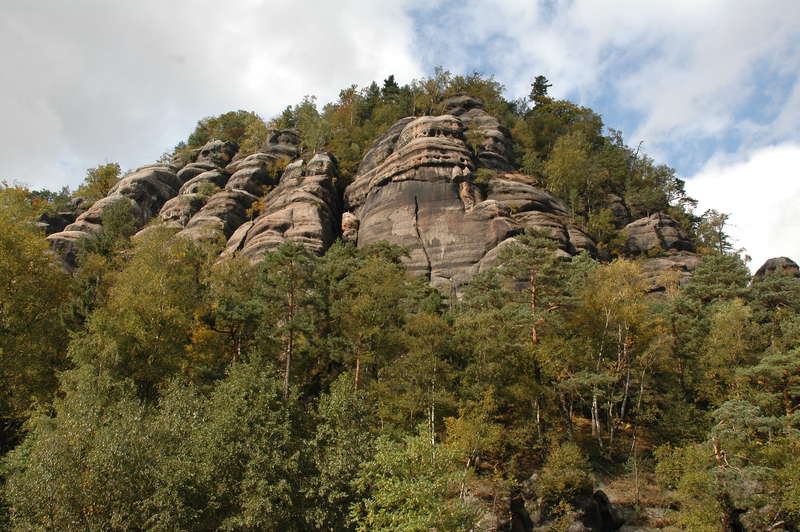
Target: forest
157,387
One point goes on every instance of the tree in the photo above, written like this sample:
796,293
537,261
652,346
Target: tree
371,314
390,89
98,182
247,462
287,303
624,343
59,478
728,345
711,233
344,440
539,88
571,172
32,335
416,386
408,487
144,327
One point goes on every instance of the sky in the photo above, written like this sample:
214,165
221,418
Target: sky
710,87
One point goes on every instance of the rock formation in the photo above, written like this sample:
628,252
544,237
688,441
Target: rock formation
660,235
777,265
441,186
657,231
303,208
145,190
417,188
205,213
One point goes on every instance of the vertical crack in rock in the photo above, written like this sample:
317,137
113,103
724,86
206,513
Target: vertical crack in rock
241,243
419,235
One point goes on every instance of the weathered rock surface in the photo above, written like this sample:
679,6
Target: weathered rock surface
657,231
55,222
674,267
220,217
217,153
206,215
622,215
494,140
781,265
205,182
416,188
193,170
303,208
146,190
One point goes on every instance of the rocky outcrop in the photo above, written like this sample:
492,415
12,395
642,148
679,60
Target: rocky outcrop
777,265
145,190
668,270
492,140
206,213
303,208
220,217
55,222
417,188
655,232
217,153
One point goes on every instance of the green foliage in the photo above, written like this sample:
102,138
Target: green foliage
565,475
245,128
342,443
412,486
32,336
98,182
166,389
56,477
571,172
539,88
142,330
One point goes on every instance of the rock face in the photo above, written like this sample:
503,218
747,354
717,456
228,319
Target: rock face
416,187
660,272
303,208
441,186
657,231
206,213
493,141
55,223
146,190
777,265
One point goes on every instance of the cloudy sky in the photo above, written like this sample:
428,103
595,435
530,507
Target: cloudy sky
710,87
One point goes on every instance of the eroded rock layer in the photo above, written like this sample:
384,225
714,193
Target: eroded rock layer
777,265
145,190
206,213
303,208
416,188
657,231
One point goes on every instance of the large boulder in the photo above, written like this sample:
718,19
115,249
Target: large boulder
220,217
417,188
657,232
493,139
303,208
217,153
777,265
219,190
674,268
146,190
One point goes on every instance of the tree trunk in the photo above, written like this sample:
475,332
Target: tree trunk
358,368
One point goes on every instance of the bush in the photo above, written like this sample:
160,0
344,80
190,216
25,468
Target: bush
566,474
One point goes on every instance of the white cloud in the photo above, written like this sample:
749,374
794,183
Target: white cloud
761,192
92,81
689,69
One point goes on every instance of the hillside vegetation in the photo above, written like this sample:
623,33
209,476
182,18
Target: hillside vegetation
158,386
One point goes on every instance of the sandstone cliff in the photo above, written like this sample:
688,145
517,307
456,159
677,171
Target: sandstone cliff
441,186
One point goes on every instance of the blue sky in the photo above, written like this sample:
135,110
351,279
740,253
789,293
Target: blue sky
709,86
